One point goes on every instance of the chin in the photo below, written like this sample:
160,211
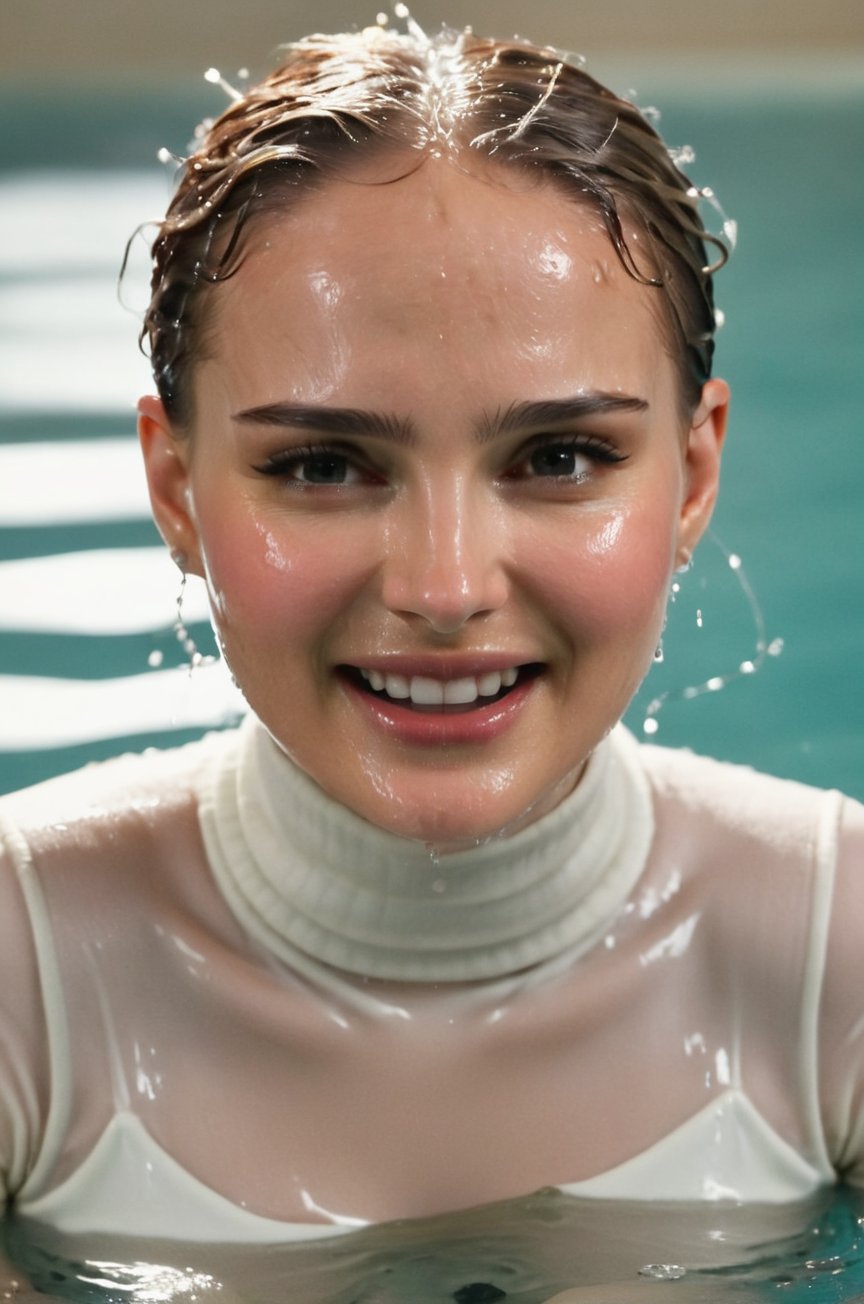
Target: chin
449,822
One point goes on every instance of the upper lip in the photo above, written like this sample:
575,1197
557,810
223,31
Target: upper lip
443,666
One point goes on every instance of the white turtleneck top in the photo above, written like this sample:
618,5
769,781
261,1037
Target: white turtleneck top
230,1009
380,906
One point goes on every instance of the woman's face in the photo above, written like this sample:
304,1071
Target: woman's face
437,481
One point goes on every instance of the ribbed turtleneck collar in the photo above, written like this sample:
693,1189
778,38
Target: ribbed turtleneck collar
301,871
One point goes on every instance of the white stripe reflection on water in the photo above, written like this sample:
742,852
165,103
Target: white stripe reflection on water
72,481
69,346
67,342
103,591
39,712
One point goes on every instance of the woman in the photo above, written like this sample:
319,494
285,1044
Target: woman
431,331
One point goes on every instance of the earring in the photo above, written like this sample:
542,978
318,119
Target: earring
181,633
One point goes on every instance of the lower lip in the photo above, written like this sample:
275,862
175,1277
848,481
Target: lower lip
437,728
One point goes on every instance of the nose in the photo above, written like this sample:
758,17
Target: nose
447,558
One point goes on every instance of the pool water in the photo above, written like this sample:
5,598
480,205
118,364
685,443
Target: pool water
522,1252
89,665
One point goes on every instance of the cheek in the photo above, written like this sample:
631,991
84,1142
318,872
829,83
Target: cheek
267,583
612,579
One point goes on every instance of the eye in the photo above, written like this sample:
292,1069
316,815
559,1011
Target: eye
559,460
322,468
570,458
315,466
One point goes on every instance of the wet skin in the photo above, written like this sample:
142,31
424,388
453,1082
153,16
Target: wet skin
436,435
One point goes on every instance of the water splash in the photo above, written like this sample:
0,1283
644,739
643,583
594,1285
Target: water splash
663,1271
214,75
763,647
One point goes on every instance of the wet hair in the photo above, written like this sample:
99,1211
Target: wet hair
335,101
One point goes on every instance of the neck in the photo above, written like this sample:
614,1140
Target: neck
305,875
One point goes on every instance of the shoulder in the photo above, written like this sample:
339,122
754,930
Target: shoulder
720,797
757,848
107,810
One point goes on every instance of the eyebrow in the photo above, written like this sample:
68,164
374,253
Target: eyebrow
333,420
384,425
557,411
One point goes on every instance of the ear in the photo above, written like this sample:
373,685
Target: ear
166,463
702,455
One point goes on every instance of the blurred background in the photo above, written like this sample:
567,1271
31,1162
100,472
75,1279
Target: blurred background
119,40
770,95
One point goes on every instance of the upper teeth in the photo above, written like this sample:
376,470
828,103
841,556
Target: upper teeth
441,692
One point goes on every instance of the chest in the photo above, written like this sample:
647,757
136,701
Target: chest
288,1091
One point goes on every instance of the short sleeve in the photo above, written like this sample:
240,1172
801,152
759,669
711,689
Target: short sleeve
842,1008
24,1068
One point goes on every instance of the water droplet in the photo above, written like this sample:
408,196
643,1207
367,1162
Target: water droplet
155,659
734,561
401,11
714,685
719,318
682,156
382,20
164,155
663,1271
775,647
212,75
747,667
699,619
650,726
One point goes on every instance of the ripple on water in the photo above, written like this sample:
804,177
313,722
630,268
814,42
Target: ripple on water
546,1247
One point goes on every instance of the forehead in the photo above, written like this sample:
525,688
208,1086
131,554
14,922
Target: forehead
491,267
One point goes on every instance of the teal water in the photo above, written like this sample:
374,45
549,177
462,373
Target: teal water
788,169
543,1248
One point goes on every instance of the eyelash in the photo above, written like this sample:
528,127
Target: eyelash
589,446
283,463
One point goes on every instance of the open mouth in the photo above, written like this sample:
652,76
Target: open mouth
423,693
